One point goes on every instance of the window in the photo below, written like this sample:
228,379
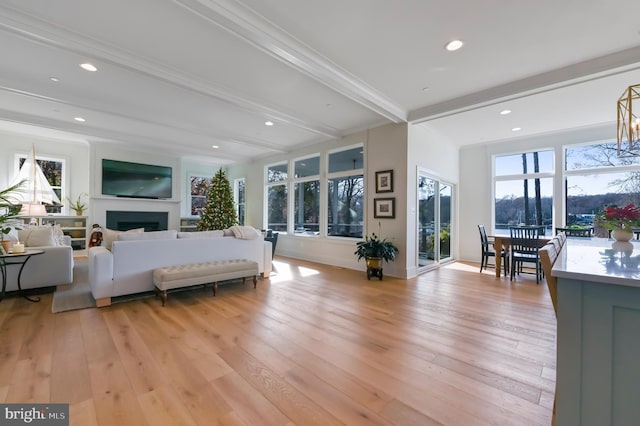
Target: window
596,177
277,197
240,196
345,206
54,170
306,188
523,188
199,186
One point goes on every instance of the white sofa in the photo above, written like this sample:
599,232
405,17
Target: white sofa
128,267
53,267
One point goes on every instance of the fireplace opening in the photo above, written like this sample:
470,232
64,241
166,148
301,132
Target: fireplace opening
126,220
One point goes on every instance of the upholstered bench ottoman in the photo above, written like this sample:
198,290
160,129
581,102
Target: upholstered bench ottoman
178,276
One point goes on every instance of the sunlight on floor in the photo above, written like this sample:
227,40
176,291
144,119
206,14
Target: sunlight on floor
463,267
282,272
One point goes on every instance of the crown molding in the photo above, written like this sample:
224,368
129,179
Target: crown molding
256,30
36,30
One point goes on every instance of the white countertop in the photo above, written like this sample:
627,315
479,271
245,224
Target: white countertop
599,260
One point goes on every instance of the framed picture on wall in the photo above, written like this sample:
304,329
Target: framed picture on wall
384,208
384,181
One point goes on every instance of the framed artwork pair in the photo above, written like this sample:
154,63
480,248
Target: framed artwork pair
384,207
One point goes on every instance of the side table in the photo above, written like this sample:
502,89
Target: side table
20,259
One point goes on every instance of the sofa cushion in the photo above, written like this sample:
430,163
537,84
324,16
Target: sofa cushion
110,235
153,235
201,234
41,236
245,232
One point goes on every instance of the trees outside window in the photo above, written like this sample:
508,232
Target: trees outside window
239,194
54,170
277,197
595,177
199,186
346,197
523,187
306,204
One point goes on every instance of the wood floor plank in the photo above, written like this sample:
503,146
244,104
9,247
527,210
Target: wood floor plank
312,345
70,382
251,406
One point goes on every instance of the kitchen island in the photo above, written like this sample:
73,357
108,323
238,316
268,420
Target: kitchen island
598,371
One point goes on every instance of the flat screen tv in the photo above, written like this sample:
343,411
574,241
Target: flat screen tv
135,180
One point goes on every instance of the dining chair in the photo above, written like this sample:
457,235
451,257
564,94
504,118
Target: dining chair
488,251
548,256
525,242
576,232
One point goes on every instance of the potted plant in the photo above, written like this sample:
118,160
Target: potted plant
375,250
78,205
8,213
621,221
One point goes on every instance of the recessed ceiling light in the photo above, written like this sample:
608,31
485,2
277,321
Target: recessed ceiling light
516,129
454,45
505,112
426,89
215,146
268,123
329,106
89,67
80,119
54,79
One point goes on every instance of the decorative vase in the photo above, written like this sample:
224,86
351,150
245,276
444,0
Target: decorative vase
621,235
6,244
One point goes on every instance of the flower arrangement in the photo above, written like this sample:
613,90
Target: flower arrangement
623,218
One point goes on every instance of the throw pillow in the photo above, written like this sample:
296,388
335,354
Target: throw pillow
58,234
110,235
38,237
245,232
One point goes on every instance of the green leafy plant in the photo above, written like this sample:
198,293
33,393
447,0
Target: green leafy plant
78,204
373,246
8,210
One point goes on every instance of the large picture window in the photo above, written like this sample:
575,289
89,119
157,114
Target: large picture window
277,197
239,194
199,186
596,177
345,206
523,188
306,205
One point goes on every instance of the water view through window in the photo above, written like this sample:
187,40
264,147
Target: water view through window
593,177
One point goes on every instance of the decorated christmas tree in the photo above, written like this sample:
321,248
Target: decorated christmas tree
220,211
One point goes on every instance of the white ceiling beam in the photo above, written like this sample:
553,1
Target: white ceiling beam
253,28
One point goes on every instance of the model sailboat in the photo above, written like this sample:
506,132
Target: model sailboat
35,191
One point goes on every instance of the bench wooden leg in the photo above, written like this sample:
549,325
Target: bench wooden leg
163,295
255,281
215,287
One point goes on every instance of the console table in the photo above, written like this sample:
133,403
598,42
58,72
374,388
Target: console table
19,259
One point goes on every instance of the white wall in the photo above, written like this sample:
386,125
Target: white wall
476,191
439,157
75,154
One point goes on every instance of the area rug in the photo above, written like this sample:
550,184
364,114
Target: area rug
78,295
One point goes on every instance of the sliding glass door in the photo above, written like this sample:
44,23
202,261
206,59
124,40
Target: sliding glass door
434,220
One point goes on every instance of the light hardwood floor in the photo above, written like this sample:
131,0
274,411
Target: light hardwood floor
314,345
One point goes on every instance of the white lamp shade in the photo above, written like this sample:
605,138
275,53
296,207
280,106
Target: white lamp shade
33,209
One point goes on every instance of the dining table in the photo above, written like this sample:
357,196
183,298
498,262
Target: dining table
503,242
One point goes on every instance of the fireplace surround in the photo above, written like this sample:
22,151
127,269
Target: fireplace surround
149,220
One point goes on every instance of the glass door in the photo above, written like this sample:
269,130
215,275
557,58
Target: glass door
426,221
435,206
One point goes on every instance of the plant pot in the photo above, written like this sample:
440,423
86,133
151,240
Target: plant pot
374,262
621,235
6,244
78,212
